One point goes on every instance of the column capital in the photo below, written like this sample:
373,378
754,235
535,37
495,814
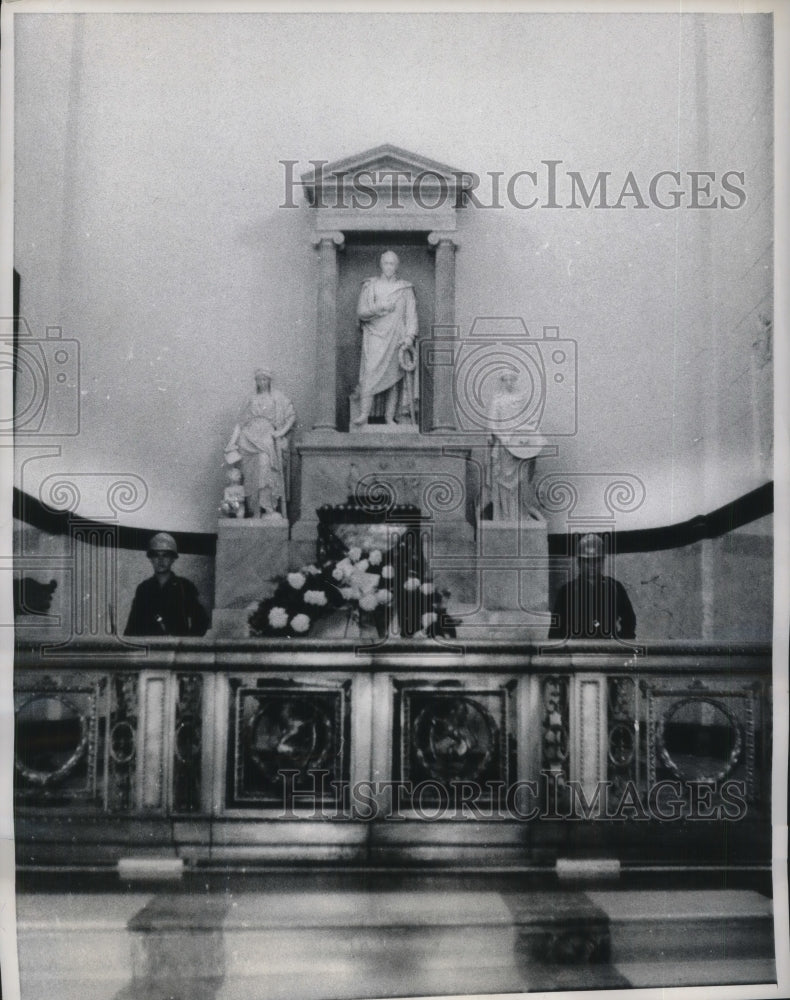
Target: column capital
439,236
328,235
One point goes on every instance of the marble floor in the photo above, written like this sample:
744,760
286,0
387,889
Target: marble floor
335,936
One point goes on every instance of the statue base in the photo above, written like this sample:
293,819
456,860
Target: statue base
250,553
510,580
405,424
514,573
384,429
382,466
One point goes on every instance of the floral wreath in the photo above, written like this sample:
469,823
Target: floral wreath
390,587
407,359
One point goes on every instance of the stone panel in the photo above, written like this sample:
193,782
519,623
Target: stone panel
514,568
250,553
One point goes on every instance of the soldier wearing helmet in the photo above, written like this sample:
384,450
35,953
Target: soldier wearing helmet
166,604
592,606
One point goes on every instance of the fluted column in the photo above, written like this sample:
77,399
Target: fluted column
326,351
442,415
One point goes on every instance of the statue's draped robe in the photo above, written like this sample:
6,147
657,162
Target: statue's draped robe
516,446
262,455
382,335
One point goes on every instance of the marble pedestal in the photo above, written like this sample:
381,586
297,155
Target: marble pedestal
381,468
250,553
405,426
514,573
509,583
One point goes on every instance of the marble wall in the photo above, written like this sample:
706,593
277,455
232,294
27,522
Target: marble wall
719,589
150,227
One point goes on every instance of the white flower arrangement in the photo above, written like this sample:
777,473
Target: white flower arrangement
359,582
346,567
368,602
300,623
278,617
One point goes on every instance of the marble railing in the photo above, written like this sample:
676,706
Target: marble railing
277,752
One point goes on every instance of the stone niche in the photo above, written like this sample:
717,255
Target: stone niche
410,207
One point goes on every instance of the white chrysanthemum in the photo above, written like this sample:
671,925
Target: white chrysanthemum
345,567
355,554
412,583
427,588
337,574
362,565
311,570
317,597
300,623
387,572
428,619
278,617
296,580
383,596
375,557
346,593
368,602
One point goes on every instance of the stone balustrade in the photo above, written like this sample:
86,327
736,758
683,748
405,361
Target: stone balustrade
393,753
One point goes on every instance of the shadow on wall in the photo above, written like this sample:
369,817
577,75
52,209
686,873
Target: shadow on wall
107,579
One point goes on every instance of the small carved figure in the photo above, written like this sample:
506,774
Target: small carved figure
514,450
259,439
233,496
387,311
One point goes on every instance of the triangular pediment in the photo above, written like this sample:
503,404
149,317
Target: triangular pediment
383,166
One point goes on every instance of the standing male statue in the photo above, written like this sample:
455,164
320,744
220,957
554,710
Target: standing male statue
387,312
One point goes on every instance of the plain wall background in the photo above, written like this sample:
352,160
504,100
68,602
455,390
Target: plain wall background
147,225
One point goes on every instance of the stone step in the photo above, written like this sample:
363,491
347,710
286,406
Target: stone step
687,924
373,943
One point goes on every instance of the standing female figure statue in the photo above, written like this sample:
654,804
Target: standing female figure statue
258,440
514,450
387,312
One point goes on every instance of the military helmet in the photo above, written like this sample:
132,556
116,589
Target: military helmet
590,547
162,543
